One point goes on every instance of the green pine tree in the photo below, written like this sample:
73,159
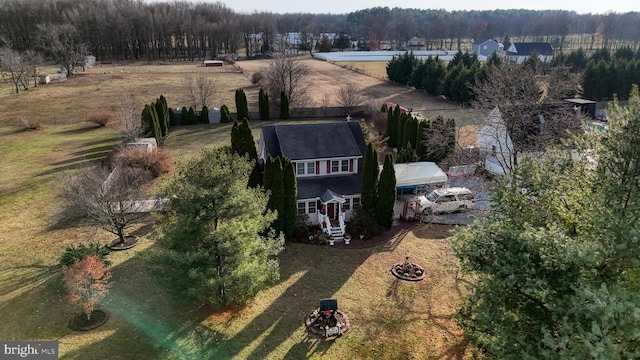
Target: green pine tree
242,107
263,103
216,231
284,106
369,188
290,208
386,194
225,115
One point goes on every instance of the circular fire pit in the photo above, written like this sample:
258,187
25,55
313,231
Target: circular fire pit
327,323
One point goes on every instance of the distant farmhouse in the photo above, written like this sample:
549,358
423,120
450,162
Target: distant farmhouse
517,53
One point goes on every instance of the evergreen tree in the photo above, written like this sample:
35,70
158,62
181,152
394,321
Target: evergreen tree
368,192
406,155
216,231
290,208
192,117
392,124
204,115
263,103
248,143
386,194
556,270
242,107
284,106
161,110
225,114
400,68
402,119
184,116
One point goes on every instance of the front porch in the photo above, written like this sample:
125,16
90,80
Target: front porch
332,215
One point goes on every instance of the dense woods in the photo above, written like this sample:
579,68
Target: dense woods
131,29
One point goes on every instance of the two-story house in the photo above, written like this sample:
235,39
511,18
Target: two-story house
517,53
484,48
328,160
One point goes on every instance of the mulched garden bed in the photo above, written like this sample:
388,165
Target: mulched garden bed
408,271
129,242
80,323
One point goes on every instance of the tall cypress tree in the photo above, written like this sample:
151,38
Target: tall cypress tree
204,115
368,192
386,194
248,144
161,110
419,137
263,103
166,114
274,182
290,208
242,107
391,123
184,116
400,131
155,128
284,106
236,139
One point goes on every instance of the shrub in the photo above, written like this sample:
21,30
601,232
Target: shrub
225,115
256,77
86,281
73,253
363,224
204,115
30,124
100,119
155,163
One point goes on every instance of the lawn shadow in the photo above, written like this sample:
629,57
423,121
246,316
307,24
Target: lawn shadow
327,270
310,345
32,305
80,130
91,153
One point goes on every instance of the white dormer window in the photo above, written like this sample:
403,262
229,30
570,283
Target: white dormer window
305,168
339,166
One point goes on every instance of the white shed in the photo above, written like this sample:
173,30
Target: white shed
412,175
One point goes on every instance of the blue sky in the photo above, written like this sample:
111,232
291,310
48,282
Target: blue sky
346,6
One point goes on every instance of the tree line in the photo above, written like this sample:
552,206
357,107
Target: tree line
129,29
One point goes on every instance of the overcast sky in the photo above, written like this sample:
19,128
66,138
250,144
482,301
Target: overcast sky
347,6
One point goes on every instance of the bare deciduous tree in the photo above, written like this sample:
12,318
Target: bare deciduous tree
349,96
106,197
13,62
63,44
128,117
526,115
288,74
200,91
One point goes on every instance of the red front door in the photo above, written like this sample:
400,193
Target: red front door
331,211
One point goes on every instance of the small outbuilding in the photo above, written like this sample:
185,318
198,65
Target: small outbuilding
410,176
213,63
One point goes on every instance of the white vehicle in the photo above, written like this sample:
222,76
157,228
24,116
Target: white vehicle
446,200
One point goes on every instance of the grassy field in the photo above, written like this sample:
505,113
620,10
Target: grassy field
391,319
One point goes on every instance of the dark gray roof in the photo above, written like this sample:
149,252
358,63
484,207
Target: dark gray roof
315,186
542,48
478,42
314,141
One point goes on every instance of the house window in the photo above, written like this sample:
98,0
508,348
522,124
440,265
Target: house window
338,166
345,166
356,202
347,204
305,168
312,207
301,208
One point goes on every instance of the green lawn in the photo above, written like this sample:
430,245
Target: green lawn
390,319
